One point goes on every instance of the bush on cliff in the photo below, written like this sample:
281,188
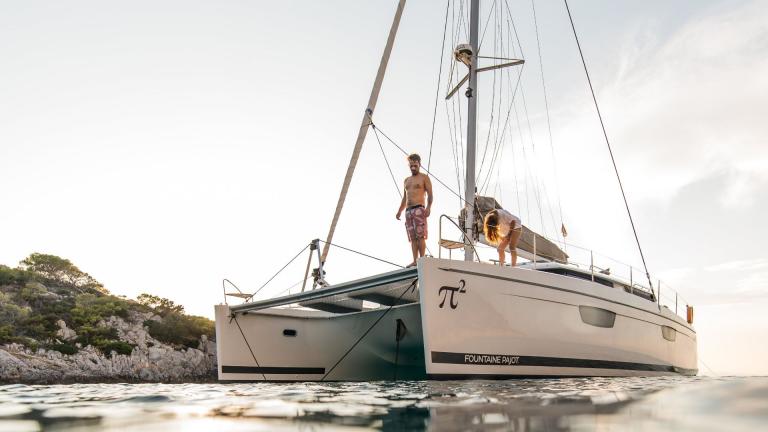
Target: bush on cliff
10,276
180,330
118,346
45,289
90,309
64,348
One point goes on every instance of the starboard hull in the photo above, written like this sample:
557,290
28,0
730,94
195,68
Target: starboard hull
491,322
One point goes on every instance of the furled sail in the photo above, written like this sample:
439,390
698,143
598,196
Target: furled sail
543,247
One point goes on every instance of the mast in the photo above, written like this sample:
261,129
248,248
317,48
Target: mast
469,188
363,128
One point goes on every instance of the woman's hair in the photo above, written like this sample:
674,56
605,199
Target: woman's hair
491,227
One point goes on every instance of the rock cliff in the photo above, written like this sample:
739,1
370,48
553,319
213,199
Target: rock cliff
150,360
59,324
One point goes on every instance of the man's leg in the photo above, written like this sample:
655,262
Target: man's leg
422,246
414,250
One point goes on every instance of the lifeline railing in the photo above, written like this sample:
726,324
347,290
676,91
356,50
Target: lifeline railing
624,273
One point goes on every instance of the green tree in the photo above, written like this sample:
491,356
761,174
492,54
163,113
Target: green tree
60,271
162,306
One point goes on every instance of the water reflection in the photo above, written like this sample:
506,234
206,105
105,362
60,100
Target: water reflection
517,405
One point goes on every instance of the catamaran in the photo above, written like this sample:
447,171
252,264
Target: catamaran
446,318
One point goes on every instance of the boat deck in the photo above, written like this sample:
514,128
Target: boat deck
387,289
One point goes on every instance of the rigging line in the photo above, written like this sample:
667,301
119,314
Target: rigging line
427,171
462,20
546,107
506,46
458,133
485,29
608,143
234,317
490,128
514,29
363,254
512,101
710,369
455,150
288,290
452,133
278,272
453,146
525,178
408,288
535,186
514,173
397,188
498,138
534,176
462,153
479,172
437,92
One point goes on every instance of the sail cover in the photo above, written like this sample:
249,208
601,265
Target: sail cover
544,247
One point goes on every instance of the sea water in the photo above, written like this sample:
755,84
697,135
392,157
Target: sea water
572,404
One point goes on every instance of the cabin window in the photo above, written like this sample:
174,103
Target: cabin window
668,333
579,275
597,317
289,332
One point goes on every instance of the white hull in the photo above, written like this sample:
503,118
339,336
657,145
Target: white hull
506,322
519,322
321,339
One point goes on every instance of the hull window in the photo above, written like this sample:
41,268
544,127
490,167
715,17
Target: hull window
578,275
669,333
597,317
289,332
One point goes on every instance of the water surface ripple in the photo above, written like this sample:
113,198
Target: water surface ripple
571,404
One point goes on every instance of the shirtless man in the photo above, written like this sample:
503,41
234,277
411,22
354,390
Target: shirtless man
416,215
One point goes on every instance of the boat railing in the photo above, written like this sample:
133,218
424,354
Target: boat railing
598,265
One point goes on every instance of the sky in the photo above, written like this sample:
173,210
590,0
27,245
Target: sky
163,146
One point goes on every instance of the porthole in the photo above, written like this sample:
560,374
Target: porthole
289,332
668,333
597,317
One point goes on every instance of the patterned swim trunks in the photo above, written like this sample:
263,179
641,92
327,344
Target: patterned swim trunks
416,222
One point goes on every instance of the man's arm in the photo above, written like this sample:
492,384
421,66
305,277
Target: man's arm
402,206
428,190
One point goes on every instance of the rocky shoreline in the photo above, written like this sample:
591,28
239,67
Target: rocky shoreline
149,361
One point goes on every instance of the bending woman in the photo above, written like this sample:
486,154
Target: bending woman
502,228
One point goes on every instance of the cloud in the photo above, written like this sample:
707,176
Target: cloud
732,282
692,105
740,265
